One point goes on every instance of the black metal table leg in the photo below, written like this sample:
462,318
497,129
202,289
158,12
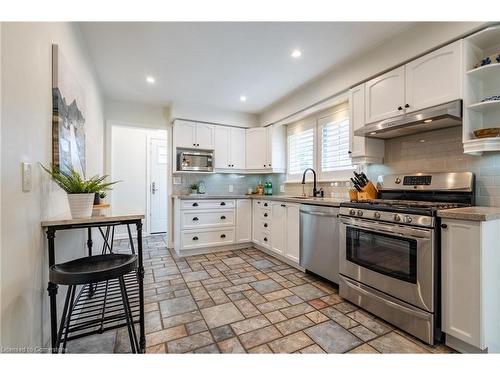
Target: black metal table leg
89,247
52,289
140,274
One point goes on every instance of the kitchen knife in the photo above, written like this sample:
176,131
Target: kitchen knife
356,185
359,180
363,176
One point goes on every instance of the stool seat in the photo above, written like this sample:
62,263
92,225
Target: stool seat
92,269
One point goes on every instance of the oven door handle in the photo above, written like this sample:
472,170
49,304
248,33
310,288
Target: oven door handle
385,301
396,230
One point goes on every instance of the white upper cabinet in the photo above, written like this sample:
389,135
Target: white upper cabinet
256,148
435,78
188,134
205,136
237,148
385,95
222,140
276,148
184,134
362,149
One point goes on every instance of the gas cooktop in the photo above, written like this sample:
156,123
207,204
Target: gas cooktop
402,205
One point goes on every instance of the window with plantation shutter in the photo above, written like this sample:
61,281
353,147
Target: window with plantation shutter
334,148
321,142
301,149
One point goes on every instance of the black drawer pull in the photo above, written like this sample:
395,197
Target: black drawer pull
223,217
265,239
222,236
195,238
265,214
444,226
265,204
283,205
265,225
222,203
195,204
195,219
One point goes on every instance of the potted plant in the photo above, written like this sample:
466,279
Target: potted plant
194,188
81,193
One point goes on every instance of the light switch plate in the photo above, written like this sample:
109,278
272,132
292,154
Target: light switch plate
230,188
177,180
26,176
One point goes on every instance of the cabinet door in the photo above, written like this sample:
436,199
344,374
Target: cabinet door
184,134
222,141
292,232
357,120
243,220
384,95
205,136
461,286
278,227
256,148
256,218
237,148
435,78
276,148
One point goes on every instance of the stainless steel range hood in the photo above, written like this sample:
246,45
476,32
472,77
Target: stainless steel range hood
438,117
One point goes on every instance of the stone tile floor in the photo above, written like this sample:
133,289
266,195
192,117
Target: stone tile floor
246,301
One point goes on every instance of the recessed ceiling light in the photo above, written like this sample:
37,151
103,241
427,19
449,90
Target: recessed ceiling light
427,121
150,79
243,98
422,141
296,53
373,133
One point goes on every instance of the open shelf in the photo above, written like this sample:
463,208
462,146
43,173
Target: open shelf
492,105
480,145
486,38
485,72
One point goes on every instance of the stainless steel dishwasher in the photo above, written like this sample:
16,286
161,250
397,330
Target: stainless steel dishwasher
319,240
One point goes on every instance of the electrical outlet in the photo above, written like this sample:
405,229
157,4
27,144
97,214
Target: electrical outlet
177,180
282,188
26,176
230,188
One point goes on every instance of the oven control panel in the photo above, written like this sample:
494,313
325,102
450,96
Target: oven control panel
417,180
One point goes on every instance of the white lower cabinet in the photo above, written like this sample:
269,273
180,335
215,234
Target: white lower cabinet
470,265
292,232
278,227
243,220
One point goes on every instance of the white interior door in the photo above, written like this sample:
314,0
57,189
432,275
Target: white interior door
158,189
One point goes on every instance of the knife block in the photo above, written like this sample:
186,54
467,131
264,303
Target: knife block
369,192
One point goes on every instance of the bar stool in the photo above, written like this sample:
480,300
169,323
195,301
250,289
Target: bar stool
91,270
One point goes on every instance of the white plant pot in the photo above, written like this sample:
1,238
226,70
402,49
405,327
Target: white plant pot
80,205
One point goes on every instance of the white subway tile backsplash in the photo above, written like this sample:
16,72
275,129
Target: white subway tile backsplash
442,151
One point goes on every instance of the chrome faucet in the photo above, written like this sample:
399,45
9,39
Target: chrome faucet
315,191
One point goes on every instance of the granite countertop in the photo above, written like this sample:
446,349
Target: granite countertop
475,213
332,202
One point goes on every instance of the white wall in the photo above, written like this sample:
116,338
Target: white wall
26,119
410,43
198,112
137,114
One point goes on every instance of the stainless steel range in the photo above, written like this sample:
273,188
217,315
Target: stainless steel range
390,248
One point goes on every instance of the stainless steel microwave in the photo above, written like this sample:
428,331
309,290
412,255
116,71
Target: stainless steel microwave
195,160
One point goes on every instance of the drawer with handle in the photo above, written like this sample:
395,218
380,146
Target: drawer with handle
214,237
265,225
206,219
265,239
203,204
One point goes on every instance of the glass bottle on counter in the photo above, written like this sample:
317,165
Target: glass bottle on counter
270,188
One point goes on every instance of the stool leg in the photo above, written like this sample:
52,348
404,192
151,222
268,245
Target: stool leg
128,316
63,318
68,317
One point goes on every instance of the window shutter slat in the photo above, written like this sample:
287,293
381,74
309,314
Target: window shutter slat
335,146
300,151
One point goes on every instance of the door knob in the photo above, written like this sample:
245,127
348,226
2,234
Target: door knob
195,219
407,106
400,108
195,238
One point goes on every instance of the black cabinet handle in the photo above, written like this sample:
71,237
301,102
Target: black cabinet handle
223,217
407,106
400,108
195,238
283,205
265,239
269,164
265,215
265,205
264,165
265,225
195,218
198,144
222,203
444,226
222,236
194,144
195,204
349,152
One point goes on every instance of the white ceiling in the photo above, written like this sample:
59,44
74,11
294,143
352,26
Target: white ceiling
213,64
